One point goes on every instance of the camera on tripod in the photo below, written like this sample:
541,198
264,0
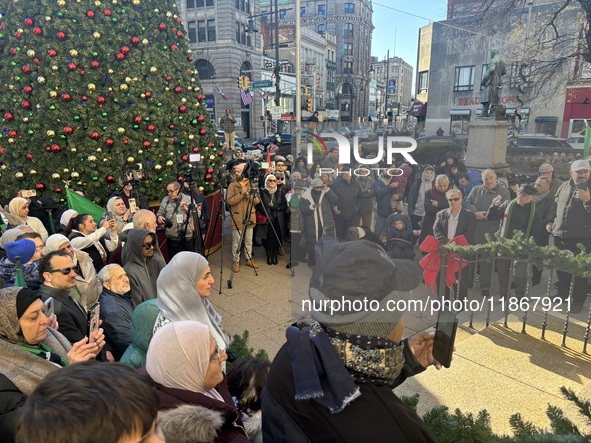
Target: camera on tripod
191,169
134,172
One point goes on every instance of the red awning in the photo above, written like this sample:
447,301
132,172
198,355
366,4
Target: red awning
418,109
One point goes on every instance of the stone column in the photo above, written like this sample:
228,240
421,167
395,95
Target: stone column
487,145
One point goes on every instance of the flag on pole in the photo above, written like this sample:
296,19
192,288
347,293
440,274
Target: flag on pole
19,278
221,93
263,95
587,140
84,206
246,97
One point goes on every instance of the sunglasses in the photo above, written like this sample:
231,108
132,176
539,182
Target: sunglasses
64,271
148,246
271,180
216,354
455,199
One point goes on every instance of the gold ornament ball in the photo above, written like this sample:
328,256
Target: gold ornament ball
121,130
66,170
55,176
47,18
74,53
75,174
141,151
110,71
128,80
31,53
41,79
157,167
96,35
123,87
105,160
91,86
3,167
99,149
169,163
52,94
54,68
50,133
10,140
184,100
26,119
145,41
201,188
191,136
97,3
73,150
91,158
212,157
156,140
130,159
153,69
19,175
32,172
136,2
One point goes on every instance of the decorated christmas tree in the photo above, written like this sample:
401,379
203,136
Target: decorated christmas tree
91,89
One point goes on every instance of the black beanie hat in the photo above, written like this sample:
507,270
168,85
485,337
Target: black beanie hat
24,299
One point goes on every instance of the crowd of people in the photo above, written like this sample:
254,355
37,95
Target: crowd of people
157,317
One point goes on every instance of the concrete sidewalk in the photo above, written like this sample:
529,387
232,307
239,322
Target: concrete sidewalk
498,368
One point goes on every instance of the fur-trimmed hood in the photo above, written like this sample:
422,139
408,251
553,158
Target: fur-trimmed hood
190,423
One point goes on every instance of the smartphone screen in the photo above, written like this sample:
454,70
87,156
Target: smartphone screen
445,337
108,215
132,205
48,308
93,321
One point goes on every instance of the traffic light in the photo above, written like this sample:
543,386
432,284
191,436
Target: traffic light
305,91
241,82
309,101
246,83
317,82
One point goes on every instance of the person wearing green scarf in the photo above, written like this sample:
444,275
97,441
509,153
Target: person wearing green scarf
519,214
30,349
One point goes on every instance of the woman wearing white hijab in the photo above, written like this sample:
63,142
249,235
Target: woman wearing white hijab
19,208
185,363
122,215
184,286
86,281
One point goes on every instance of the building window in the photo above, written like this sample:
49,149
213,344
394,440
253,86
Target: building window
321,28
190,4
423,81
237,32
346,89
347,67
201,36
211,30
348,30
282,14
246,6
347,48
205,69
200,3
349,8
345,107
192,31
208,2
321,9
464,78
240,4
302,11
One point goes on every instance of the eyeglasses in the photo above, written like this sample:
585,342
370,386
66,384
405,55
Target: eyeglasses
64,271
455,199
170,191
270,180
280,179
216,354
148,246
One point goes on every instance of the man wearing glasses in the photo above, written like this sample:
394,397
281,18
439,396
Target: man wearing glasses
59,277
174,215
117,307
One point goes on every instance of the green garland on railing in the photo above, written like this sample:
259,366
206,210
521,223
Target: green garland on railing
520,248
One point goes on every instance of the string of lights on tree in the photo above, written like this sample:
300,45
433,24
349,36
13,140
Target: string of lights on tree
91,88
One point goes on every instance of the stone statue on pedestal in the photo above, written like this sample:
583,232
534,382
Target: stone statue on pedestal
491,82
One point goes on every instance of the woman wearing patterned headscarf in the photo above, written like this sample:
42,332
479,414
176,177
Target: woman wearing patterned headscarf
19,208
273,205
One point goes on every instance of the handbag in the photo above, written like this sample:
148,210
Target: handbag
328,240
261,218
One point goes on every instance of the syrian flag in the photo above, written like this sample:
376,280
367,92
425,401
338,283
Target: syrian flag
221,93
246,97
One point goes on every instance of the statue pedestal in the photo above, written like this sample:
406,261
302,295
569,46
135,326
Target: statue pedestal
487,145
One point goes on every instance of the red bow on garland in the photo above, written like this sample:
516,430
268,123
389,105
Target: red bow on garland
431,263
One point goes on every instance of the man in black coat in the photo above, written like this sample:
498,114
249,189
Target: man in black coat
544,201
348,192
117,307
59,280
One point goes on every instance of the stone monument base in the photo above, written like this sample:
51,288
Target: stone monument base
487,145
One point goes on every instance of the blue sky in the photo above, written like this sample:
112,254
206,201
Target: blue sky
402,18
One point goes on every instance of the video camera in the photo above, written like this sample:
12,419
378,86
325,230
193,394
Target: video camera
191,169
133,173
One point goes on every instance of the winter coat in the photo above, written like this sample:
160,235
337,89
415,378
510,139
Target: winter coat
446,168
142,328
546,208
71,316
573,219
317,219
349,195
480,199
296,224
475,180
116,313
430,214
171,209
405,234
187,417
275,215
416,196
87,243
378,415
239,204
143,273
402,180
367,195
30,271
466,226
383,193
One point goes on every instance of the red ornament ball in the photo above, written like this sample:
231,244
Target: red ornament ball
135,41
151,128
28,90
210,145
161,26
178,19
168,78
37,30
178,90
1,149
58,190
68,130
66,97
61,35
171,126
120,56
90,14
95,64
221,153
190,58
126,141
109,142
110,179
137,119
182,109
9,116
52,52
195,149
26,69
107,12
95,135
147,144
29,21
179,34
148,94
12,134
39,186
84,98
48,148
18,35
212,184
173,47
201,119
82,72
185,158
125,49
203,132
100,100
210,170
36,60
72,66
29,156
207,176
55,147
25,104
12,51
